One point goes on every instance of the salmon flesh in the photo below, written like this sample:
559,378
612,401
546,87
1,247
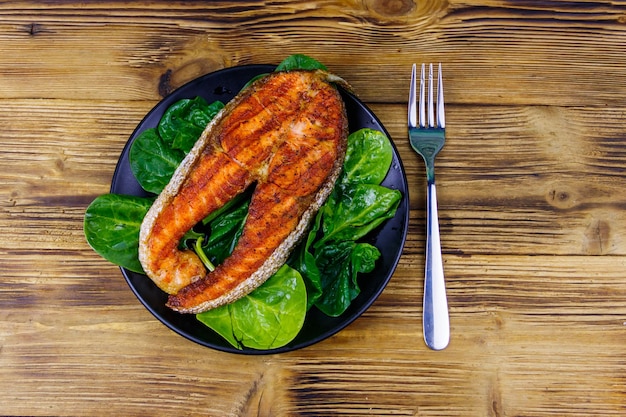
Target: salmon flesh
286,133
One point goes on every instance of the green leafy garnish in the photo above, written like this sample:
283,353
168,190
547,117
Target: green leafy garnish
152,161
225,231
293,62
268,318
156,153
331,258
354,212
340,265
300,62
368,158
112,223
197,247
184,121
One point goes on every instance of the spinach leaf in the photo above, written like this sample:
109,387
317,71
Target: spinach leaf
186,242
331,258
368,158
357,211
330,261
184,121
268,318
230,216
340,265
111,226
156,153
293,62
224,233
233,204
152,161
299,61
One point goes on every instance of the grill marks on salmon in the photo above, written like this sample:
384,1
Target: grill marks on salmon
287,133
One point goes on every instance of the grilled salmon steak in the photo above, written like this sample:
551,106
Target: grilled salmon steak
286,133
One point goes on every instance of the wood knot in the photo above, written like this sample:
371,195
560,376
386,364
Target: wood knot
34,29
174,78
262,398
562,198
59,163
165,83
392,8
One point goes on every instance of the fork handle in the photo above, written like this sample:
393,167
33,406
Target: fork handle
436,321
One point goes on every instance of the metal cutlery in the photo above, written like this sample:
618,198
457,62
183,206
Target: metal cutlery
427,137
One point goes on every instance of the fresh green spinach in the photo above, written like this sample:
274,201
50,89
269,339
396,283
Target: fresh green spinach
269,317
293,62
354,212
331,259
184,121
111,226
224,232
152,161
156,152
368,158
300,62
340,265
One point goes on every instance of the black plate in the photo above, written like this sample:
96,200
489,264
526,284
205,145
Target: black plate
223,85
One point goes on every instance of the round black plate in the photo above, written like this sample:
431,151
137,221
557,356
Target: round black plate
223,85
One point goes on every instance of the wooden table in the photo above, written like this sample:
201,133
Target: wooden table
531,196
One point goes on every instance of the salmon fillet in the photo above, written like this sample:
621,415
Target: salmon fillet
287,134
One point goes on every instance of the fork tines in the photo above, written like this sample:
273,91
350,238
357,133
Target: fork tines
413,102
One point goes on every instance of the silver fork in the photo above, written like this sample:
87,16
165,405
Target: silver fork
427,139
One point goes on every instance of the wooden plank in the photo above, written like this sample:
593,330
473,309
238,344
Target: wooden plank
504,53
492,200
512,333
517,178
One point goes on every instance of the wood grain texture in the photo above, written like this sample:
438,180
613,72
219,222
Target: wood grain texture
143,51
531,202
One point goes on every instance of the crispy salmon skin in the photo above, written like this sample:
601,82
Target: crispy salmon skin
287,134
